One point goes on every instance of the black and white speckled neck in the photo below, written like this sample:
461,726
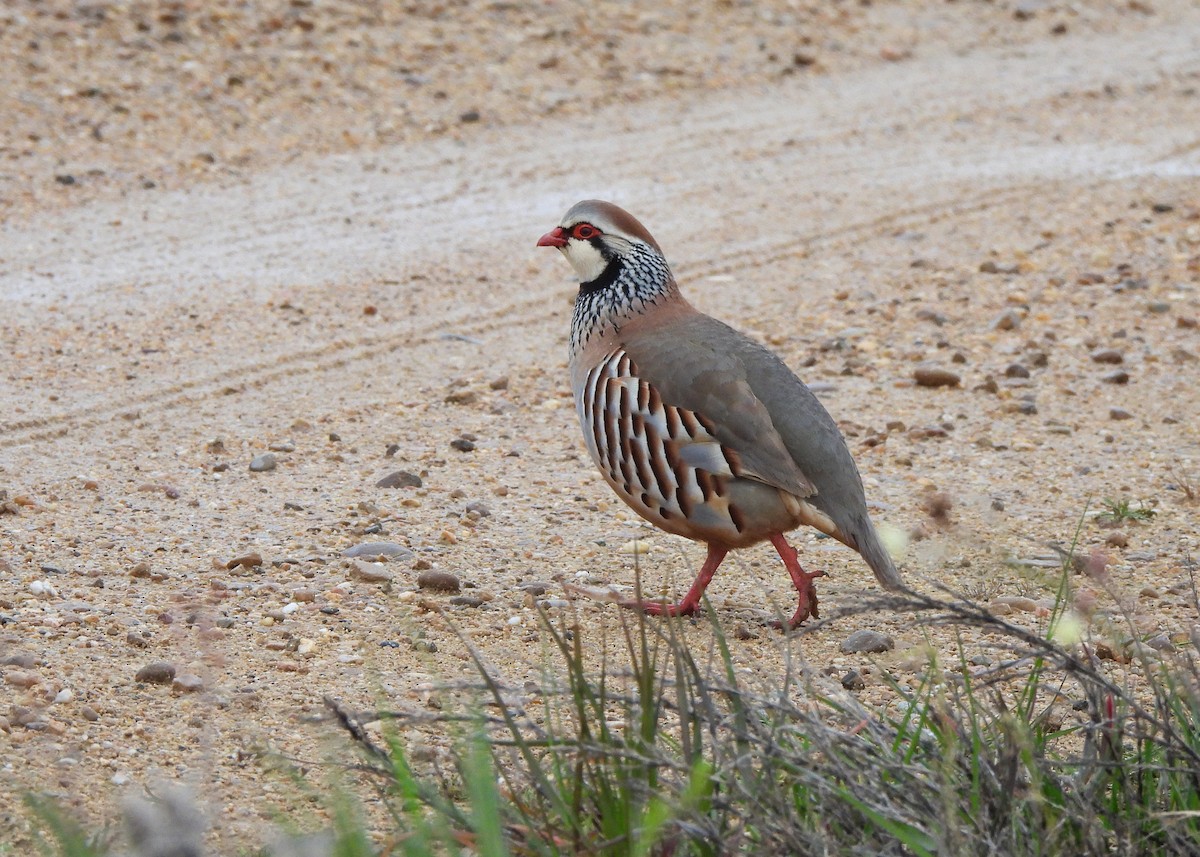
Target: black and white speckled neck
633,281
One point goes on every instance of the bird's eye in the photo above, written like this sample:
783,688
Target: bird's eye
584,231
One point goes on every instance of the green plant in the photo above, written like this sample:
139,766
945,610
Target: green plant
1118,511
666,749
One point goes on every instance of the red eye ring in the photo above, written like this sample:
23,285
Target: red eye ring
584,231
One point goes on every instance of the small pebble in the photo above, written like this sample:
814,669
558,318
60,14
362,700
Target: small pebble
462,444
400,479
853,681
391,550
1016,370
466,601
438,581
462,397
1161,643
1010,319
1117,539
24,660
935,376
1015,603
1119,414
1118,377
369,572
867,641
187,683
22,679
263,463
283,446
89,713
1108,355
159,672
250,560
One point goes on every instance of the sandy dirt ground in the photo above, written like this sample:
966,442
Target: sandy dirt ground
235,263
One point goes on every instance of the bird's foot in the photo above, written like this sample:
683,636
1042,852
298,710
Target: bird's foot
802,580
807,606
662,608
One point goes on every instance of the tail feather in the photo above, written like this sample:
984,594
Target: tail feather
871,548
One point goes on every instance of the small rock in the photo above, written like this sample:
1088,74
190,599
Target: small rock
1117,539
1016,603
535,588
1149,592
467,601
135,639
187,683
142,569
868,641
935,376
636,547
282,446
1161,643
250,560
1016,370
24,660
1158,307
1118,377
1105,652
500,383
369,572
263,463
159,672
438,581
400,479
1010,319
853,681
462,397
18,678
90,714
462,444
1108,355
1119,414
391,550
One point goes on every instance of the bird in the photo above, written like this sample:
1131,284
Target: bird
699,429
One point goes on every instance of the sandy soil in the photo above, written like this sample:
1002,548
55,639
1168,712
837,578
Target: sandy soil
866,189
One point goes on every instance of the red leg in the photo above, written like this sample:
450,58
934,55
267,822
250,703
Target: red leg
803,581
691,602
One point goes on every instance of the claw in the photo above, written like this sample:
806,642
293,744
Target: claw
802,580
662,608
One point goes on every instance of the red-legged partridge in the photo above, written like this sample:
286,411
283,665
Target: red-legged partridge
700,430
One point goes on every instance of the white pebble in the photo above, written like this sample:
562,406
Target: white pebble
291,607
119,779
41,587
637,547
64,695
514,620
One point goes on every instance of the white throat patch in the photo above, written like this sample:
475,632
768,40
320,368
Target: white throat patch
585,259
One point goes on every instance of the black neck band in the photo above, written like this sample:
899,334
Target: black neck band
607,277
